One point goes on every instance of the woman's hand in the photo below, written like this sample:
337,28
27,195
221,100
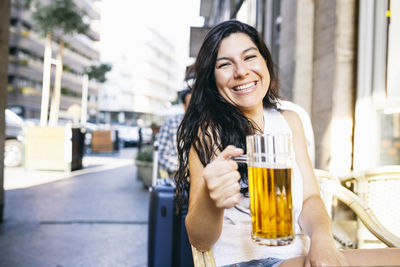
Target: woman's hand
222,178
324,253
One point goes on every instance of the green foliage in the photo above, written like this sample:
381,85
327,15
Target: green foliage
62,15
69,92
145,154
98,72
175,101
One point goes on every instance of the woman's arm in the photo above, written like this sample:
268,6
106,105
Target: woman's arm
212,189
317,218
314,219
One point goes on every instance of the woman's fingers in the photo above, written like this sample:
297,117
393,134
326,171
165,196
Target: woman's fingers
224,190
223,183
222,164
224,180
228,152
221,177
229,202
219,168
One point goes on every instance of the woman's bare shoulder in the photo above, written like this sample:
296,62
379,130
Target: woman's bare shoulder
292,118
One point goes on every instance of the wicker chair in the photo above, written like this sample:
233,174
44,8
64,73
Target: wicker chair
379,189
331,188
203,259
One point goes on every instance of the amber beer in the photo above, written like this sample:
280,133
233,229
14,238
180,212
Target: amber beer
271,205
269,159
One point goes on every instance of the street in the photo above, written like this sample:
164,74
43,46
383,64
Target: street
96,216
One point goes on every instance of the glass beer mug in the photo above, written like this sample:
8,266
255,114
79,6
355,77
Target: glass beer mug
269,162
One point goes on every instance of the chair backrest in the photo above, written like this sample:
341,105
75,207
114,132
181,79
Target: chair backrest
203,259
371,228
379,189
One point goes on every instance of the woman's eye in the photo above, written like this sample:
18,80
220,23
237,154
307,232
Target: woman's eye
222,65
249,57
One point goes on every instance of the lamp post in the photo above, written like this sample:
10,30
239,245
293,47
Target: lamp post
85,85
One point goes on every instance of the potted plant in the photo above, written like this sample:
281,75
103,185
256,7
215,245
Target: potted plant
144,164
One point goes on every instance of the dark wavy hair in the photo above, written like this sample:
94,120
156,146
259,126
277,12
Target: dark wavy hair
211,123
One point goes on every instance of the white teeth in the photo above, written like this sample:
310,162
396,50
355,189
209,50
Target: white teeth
245,86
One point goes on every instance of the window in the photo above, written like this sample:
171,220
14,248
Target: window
393,52
389,138
387,99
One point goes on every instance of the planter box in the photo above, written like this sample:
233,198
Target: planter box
145,171
53,148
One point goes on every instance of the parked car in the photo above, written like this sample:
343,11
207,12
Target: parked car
13,148
128,135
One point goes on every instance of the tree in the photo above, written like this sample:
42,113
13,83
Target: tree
4,38
60,17
98,73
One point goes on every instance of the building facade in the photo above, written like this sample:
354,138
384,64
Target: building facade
336,59
144,80
25,70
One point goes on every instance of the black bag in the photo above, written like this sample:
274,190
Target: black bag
168,243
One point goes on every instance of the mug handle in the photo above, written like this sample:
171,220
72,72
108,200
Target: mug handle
240,159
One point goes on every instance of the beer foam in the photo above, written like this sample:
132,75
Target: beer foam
267,165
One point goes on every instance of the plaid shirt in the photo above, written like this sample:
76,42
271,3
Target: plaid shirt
167,144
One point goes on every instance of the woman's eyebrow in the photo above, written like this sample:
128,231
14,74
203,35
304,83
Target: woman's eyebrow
248,49
244,51
222,58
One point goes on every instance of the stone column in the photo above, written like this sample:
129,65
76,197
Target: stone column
287,44
303,64
344,87
4,38
334,72
323,78
296,52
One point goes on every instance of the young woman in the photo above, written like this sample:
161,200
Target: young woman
235,94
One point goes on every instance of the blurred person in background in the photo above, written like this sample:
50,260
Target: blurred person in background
167,145
140,142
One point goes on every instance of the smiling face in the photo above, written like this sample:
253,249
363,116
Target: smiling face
241,73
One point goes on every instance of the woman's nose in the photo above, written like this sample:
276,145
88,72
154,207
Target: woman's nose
241,70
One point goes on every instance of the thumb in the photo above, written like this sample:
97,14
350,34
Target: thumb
230,151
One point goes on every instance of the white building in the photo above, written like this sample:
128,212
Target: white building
147,71
25,68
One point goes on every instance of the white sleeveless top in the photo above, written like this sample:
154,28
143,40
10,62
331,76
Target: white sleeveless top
234,244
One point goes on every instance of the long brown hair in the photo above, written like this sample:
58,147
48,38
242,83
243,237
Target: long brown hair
220,123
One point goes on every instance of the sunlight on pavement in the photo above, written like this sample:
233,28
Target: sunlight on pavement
15,178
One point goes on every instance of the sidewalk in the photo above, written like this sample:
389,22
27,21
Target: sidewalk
19,178
96,216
